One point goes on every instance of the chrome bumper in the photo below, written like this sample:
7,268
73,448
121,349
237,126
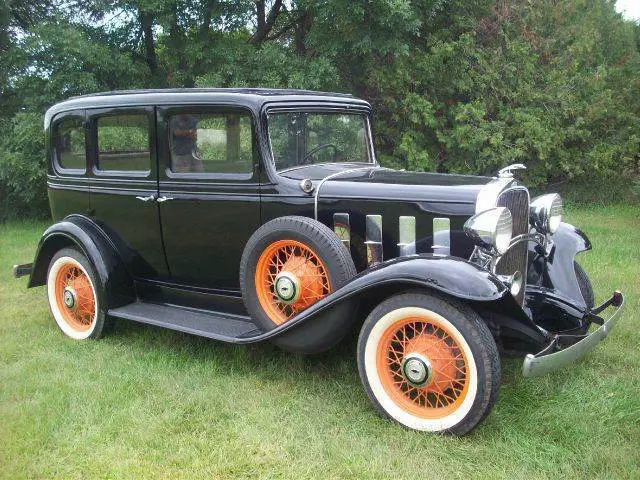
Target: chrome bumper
548,359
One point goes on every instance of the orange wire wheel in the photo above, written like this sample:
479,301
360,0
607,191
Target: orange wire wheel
72,297
289,277
422,366
429,362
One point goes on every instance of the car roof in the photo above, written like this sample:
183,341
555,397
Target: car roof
251,97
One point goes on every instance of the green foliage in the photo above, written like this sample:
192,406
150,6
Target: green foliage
456,86
550,84
22,168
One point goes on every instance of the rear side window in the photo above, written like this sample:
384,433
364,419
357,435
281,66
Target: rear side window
70,146
123,143
211,143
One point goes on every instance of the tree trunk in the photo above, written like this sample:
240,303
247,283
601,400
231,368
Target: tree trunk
177,43
265,22
146,25
302,28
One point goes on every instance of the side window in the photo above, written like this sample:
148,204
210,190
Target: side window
211,143
70,146
123,143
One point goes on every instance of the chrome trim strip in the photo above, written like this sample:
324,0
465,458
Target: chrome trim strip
539,364
331,177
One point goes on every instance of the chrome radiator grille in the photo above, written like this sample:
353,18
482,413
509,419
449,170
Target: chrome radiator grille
516,199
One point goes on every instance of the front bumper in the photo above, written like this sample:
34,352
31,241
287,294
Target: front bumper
551,358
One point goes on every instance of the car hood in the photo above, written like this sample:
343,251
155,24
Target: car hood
378,183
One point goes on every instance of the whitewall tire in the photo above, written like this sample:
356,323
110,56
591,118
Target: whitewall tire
429,363
74,300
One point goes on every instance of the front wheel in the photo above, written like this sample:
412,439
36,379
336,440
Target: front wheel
429,363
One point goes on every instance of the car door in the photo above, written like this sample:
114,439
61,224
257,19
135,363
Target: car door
124,185
209,192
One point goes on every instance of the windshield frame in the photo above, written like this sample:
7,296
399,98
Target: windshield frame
346,109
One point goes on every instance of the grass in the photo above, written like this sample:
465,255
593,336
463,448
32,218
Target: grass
146,402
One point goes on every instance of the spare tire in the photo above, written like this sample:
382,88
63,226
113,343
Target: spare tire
289,264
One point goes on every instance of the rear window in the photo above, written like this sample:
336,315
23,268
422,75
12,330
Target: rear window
70,146
123,143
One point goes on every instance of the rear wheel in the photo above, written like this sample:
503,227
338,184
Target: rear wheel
429,363
72,290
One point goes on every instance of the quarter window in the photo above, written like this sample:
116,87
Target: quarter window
211,143
123,143
70,146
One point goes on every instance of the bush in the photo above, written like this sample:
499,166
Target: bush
552,85
23,171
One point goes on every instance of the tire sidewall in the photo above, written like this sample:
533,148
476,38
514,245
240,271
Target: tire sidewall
71,255
475,404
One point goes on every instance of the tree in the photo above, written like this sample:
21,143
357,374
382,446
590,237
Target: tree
456,85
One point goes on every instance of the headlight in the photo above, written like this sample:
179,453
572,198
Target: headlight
545,212
491,229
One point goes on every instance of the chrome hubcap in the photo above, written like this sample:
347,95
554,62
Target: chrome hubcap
69,297
417,369
287,287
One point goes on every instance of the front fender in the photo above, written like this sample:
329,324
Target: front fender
450,275
82,233
323,324
555,272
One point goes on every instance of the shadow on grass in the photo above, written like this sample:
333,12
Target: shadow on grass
250,357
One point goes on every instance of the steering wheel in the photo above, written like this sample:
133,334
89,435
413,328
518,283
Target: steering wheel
317,149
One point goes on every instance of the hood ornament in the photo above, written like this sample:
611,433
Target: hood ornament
507,172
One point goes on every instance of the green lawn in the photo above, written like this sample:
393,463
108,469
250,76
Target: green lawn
149,402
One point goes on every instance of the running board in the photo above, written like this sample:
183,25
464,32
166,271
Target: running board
215,325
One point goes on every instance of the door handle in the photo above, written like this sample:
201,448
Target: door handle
147,199
163,199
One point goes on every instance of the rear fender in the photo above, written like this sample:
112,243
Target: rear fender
82,233
323,324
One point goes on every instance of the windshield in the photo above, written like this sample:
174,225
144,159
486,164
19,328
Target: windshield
305,138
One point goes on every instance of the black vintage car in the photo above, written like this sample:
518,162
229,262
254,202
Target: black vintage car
252,215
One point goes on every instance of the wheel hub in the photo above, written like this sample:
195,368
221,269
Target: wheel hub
287,287
69,297
417,369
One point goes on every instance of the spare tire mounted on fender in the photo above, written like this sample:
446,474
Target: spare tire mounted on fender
288,265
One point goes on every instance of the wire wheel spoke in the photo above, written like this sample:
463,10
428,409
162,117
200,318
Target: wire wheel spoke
445,387
298,261
75,297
